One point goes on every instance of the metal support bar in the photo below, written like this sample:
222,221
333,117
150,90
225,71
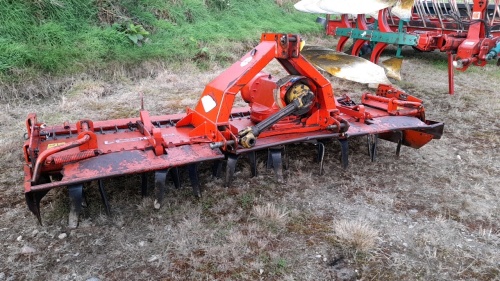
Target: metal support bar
398,38
401,32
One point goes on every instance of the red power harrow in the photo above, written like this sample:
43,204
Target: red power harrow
469,31
299,107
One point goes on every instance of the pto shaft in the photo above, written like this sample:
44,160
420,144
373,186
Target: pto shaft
249,135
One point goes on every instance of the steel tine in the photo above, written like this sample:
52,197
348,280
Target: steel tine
468,8
400,142
372,146
269,163
274,154
104,197
497,9
33,198
344,152
144,185
217,169
85,202
284,156
421,13
368,145
253,162
321,155
193,177
160,187
286,159
75,204
174,173
33,204
232,159
395,137
33,201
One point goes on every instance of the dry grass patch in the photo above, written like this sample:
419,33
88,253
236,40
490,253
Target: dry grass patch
271,215
355,236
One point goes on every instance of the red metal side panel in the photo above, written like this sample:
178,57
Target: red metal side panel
130,162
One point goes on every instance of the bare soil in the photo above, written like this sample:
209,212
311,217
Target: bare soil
431,214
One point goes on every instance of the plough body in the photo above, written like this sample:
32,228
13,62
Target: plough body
468,32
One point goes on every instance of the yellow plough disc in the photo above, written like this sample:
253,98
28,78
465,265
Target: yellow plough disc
345,66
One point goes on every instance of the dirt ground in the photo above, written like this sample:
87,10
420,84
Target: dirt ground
432,214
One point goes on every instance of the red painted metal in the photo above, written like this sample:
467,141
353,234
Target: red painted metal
467,44
71,154
330,29
384,27
358,44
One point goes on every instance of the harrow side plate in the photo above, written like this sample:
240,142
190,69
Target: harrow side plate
127,162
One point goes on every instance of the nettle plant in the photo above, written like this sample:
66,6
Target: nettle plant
136,33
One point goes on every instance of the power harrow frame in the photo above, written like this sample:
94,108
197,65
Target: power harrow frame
299,107
469,33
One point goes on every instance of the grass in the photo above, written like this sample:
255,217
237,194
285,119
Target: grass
270,216
356,237
61,38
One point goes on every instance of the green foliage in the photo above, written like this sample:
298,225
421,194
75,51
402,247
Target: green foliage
246,200
61,37
219,5
281,264
440,64
136,33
